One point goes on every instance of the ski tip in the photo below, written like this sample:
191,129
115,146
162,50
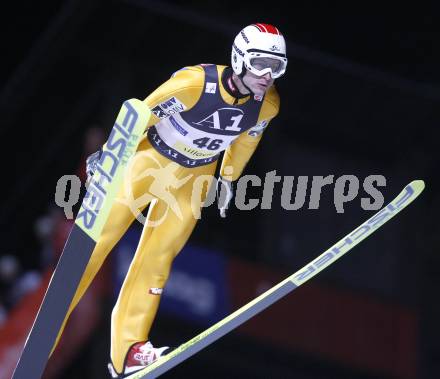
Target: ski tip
418,185
138,104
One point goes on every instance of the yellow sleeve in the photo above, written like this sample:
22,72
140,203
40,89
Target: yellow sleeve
238,154
185,87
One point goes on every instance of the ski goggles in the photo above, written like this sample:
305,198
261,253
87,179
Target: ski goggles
262,65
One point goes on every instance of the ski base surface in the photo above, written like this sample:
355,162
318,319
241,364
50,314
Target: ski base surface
229,323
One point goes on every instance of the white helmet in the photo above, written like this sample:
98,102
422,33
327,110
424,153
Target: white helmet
255,42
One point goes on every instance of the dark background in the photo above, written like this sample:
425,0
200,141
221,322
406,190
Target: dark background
361,96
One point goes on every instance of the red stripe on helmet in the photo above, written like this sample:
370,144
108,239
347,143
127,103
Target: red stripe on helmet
267,28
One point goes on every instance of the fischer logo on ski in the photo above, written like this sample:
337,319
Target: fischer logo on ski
119,147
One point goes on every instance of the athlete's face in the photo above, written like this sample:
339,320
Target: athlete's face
257,84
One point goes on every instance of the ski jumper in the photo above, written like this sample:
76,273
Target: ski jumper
194,118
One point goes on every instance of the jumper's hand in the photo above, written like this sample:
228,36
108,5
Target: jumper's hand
91,163
225,193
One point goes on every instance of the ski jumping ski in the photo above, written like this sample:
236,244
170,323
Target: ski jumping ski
120,146
229,323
